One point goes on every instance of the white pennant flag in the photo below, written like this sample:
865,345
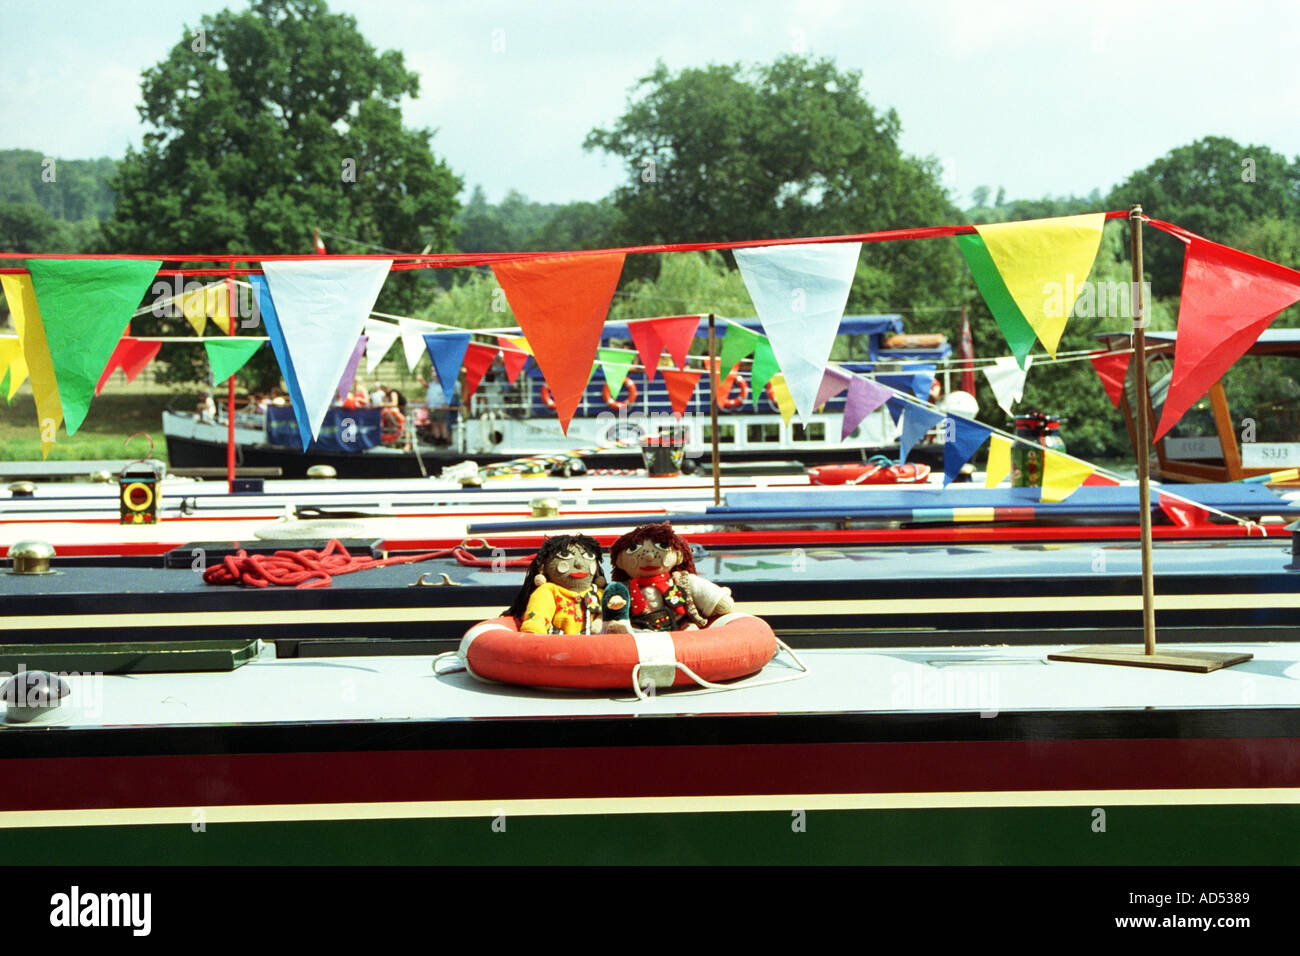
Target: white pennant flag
380,337
322,308
799,293
413,332
1007,379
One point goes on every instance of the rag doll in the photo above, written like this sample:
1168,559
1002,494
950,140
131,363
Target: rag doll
562,591
665,593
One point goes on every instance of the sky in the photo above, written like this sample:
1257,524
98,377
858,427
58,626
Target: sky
1041,98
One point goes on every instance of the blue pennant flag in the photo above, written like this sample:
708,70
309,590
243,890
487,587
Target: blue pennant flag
447,350
895,406
962,438
917,379
916,422
270,319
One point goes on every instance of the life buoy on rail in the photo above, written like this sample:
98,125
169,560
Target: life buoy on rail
735,645
547,398
391,424
614,403
868,474
725,401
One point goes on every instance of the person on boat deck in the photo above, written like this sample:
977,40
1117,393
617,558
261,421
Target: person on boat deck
207,408
437,405
378,396
562,590
667,594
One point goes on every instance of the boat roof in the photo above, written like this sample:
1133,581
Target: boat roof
1268,338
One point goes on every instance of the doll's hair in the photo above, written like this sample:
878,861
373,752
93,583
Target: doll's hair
662,534
550,548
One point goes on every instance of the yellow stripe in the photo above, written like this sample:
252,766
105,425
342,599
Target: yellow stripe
580,806
973,514
1042,603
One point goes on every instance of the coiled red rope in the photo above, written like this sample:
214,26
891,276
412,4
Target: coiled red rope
317,569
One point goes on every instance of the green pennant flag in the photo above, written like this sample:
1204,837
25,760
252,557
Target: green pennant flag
615,364
737,343
227,356
86,305
764,367
1017,330
4,388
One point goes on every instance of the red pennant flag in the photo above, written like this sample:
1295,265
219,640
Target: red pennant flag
1229,297
561,304
1099,480
681,386
651,336
131,356
478,359
514,358
1183,513
1112,368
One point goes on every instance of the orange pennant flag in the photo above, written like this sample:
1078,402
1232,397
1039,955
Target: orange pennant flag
681,386
561,304
514,358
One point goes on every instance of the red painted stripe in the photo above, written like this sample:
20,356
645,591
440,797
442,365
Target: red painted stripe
944,766
1015,514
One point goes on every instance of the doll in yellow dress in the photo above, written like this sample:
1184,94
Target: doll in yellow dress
562,591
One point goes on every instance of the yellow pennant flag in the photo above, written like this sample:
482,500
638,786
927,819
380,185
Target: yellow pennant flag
12,364
1062,475
211,302
21,295
784,401
1045,264
519,342
999,464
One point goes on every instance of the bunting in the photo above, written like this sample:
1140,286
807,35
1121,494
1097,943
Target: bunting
561,304
1020,337
681,386
447,350
863,398
271,322
322,306
834,381
615,365
738,344
14,365
478,359
1044,264
962,438
917,421
1007,379
350,370
1062,475
131,356
413,340
1112,369
514,357
1228,298
799,293
919,381
784,402
380,337
999,463
652,336
210,302
21,296
85,306
228,355
761,369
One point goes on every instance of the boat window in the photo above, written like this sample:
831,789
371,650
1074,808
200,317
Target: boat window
763,432
1263,393
814,432
726,434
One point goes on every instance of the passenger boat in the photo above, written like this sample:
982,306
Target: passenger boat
507,421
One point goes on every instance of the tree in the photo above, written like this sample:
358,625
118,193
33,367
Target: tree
267,123
1215,187
792,148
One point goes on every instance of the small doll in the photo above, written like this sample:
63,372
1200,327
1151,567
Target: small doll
665,592
561,594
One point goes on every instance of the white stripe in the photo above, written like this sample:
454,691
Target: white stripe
658,657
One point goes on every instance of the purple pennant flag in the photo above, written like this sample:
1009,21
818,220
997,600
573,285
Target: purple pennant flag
864,397
834,381
350,370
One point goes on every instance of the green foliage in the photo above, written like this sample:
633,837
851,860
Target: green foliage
254,139
790,148
1215,187
70,190
518,225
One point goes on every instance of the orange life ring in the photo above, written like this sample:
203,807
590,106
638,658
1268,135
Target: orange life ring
610,400
725,401
391,423
735,645
547,398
